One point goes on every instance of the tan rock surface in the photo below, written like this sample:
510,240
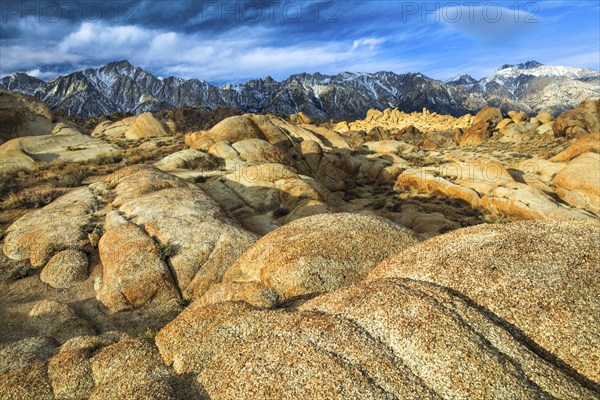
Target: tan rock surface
58,320
201,241
253,293
518,201
319,253
580,121
532,275
63,144
232,129
61,225
66,269
578,183
133,270
477,133
586,144
188,159
283,355
145,126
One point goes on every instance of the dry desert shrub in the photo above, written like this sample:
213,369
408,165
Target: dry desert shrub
9,184
139,155
31,198
72,175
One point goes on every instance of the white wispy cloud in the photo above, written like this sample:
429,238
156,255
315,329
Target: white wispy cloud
491,23
231,54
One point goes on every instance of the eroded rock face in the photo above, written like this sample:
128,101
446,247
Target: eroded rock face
492,115
139,127
483,124
461,302
66,269
64,144
134,272
24,352
130,368
232,129
247,152
577,183
145,126
188,159
579,122
586,144
275,193
58,320
487,185
95,367
319,253
179,236
281,355
253,293
517,201
62,225
533,275
440,335
477,133
22,115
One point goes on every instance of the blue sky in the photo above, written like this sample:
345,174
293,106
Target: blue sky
235,41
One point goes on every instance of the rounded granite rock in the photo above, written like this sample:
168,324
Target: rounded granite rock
320,253
539,277
66,269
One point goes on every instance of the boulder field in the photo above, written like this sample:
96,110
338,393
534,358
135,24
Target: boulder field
403,256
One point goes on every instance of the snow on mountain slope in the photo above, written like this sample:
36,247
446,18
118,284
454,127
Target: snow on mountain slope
120,86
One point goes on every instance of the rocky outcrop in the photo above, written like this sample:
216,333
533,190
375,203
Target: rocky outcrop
485,184
63,144
481,129
140,127
116,129
133,270
22,115
253,293
25,352
97,367
175,231
438,306
586,144
58,320
145,126
188,159
579,122
265,196
230,130
66,269
319,253
577,183
247,152
62,225
531,280
406,127
518,201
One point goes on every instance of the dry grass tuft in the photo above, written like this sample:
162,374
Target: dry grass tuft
72,175
31,198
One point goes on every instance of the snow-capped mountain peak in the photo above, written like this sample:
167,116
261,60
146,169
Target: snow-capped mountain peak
537,69
121,86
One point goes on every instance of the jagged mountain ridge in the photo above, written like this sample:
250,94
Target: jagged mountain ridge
122,87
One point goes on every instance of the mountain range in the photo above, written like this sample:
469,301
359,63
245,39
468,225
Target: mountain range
123,87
